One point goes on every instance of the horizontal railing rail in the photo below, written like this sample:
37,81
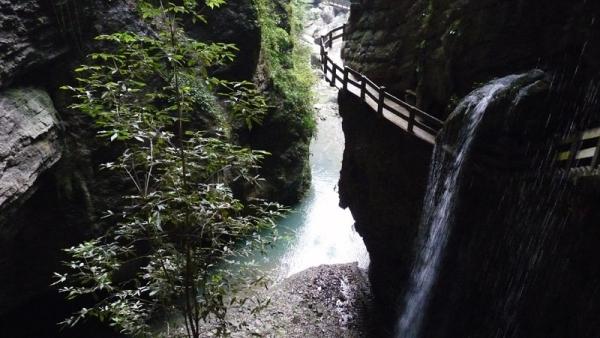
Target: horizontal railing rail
581,150
406,116
344,4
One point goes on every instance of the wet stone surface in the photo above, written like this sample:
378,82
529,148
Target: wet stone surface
324,301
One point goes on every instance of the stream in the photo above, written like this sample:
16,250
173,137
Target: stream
318,230
321,232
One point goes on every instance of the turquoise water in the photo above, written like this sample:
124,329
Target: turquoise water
320,231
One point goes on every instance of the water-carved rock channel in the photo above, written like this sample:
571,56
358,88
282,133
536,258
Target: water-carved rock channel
321,232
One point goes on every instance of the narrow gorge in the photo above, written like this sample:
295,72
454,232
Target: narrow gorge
288,168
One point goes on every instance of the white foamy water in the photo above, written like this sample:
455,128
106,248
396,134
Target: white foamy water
320,231
438,210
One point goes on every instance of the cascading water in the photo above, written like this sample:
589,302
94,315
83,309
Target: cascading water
438,209
318,230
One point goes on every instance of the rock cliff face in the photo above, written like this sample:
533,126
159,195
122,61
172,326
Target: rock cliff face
49,186
38,36
444,48
506,217
384,188
29,145
285,131
28,38
522,241
236,23
28,141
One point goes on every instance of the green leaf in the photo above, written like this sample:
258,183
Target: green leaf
214,3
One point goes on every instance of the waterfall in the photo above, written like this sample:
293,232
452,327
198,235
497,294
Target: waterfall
438,207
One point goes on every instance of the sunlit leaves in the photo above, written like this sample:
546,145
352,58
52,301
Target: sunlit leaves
246,103
177,234
214,3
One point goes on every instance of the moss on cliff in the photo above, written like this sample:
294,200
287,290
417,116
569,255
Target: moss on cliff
285,75
286,59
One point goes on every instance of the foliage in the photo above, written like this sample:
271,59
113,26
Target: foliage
286,59
246,103
176,240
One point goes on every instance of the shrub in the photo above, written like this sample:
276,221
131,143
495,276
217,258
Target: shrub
180,227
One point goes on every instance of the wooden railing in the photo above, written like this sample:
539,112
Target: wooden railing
581,152
408,117
344,4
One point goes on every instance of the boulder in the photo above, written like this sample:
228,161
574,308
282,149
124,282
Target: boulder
29,142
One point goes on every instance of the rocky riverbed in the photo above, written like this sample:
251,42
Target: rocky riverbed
323,301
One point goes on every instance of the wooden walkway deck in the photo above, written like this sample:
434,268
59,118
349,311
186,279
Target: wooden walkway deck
343,4
409,118
580,153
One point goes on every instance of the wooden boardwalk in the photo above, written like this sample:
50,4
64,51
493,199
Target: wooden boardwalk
580,153
343,4
409,118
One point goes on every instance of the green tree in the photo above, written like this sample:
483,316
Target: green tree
176,243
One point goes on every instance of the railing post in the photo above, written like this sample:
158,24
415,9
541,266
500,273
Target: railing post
574,150
322,47
410,97
333,75
345,84
330,40
325,65
344,32
380,100
363,87
596,159
411,121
